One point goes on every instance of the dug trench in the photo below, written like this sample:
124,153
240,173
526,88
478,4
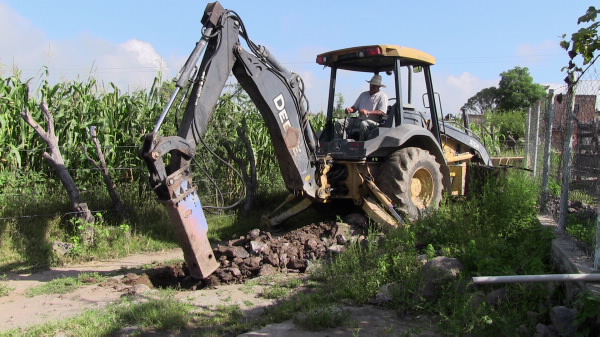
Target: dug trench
259,253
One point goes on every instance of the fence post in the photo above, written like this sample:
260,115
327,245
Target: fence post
547,151
528,138
567,149
597,247
537,139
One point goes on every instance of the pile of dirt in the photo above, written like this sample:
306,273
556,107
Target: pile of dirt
258,253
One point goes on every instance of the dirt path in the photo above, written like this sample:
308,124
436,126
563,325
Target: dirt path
19,311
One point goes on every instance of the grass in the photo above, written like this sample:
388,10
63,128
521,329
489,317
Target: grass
328,316
122,119
583,227
474,231
5,290
162,313
65,285
487,234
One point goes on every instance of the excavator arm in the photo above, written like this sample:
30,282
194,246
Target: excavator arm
276,92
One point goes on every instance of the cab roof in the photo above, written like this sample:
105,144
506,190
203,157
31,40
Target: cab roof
374,58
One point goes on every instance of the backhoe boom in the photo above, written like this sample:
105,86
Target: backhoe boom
278,95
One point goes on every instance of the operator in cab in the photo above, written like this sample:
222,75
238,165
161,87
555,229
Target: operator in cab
371,106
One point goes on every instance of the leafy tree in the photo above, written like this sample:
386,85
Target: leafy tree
585,41
511,125
517,91
339,110
483,101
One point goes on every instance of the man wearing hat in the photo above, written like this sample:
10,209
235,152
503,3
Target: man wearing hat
371,106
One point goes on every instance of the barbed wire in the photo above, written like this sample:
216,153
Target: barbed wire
64,214
53,214
91,146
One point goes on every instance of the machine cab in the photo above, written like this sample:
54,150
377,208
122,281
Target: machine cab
404,71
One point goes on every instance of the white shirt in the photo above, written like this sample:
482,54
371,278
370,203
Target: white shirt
377,101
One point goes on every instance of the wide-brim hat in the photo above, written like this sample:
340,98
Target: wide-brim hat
376,80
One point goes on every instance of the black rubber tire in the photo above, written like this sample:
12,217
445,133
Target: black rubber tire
412,179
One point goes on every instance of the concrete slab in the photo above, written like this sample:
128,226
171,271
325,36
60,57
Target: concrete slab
570,259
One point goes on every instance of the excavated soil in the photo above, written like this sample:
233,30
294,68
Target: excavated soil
259,253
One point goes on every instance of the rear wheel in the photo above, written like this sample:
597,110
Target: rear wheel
412,179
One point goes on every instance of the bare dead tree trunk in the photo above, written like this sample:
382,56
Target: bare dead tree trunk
252,182
56,160
112,191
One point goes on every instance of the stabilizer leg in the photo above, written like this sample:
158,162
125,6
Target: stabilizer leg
271,220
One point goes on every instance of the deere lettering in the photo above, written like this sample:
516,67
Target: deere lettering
279,102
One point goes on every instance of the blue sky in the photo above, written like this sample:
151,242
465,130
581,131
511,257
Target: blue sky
129,42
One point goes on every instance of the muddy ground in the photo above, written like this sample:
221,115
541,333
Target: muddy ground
257,255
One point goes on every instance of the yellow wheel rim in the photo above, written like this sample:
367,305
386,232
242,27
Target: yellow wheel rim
421,188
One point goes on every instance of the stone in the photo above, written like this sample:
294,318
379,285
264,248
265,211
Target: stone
357,219
272,259
422,259
267,270
542,330
563,320
477,298
252,263
437,272
295,263
337,249
283,260
384,295
443,268
238,242
341,239
233,251
496,297
253,234
311,244
257,248
140,289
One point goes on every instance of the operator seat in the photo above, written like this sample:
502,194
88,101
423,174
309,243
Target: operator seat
388,121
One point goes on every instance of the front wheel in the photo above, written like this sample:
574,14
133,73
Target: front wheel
412,179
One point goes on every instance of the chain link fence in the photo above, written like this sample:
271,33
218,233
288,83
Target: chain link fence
563,150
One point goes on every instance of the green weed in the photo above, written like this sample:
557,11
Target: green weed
65,285
582,227
320,318
163,313
5,290
588,313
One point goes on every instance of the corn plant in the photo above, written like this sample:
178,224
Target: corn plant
121,120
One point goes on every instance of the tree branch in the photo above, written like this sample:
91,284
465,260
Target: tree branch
56,160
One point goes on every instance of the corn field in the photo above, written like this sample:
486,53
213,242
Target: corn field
121,120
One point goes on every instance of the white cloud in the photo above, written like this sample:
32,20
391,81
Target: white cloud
456,90
539,53
316,90
130,65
